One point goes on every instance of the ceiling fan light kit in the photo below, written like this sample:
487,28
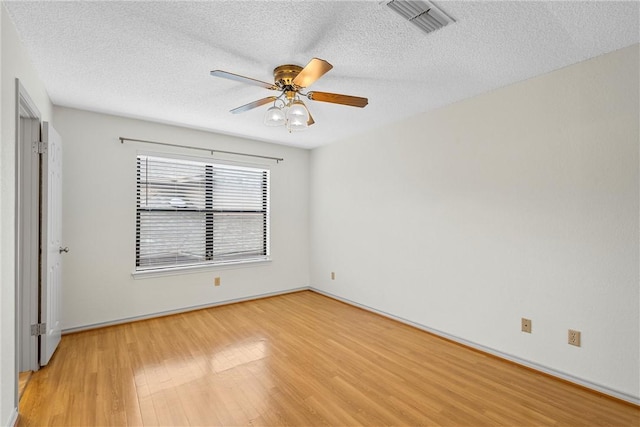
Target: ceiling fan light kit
288,109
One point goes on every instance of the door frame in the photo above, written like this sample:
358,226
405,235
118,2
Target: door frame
27,300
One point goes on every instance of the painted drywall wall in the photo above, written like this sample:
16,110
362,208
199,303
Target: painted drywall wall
522,202
15,64
99,175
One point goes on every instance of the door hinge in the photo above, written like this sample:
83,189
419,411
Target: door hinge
39,147
38,329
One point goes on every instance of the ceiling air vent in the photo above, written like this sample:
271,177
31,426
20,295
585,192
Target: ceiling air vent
422,14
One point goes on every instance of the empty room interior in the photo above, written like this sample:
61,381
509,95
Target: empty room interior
311,212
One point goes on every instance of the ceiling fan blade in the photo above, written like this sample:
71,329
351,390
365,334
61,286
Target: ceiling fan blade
315,69
254,104
336,98
310,121
243,79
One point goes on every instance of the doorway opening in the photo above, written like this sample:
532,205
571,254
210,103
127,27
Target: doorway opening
38,239
27,232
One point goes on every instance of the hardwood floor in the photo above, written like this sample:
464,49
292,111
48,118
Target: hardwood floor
23,380
299,359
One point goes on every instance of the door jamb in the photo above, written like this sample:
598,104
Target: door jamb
24,106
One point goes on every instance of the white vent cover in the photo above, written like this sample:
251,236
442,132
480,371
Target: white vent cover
422,14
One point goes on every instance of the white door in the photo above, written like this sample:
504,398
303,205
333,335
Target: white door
51,244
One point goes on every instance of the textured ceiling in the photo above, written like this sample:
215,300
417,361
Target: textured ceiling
152,60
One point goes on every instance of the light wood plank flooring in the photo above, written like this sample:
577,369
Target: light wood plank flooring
23,380
300,359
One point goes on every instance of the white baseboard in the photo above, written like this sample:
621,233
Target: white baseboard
13,418
177,311
549,371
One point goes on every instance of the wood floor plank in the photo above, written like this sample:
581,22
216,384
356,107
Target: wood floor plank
299,359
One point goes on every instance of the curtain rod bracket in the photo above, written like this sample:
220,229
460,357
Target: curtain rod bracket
211,151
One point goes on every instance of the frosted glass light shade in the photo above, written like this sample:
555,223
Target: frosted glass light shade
297,109
274,117
296,122
297,116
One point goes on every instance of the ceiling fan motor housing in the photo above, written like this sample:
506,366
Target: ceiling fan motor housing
284,74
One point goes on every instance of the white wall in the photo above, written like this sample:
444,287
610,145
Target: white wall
99,222
14,64
522,202
4,384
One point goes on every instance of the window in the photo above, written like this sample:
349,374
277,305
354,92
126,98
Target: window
197,212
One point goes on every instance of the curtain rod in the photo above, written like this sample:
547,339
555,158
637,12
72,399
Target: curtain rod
277,159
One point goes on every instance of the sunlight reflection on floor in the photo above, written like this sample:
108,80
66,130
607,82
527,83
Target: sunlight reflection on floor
180,371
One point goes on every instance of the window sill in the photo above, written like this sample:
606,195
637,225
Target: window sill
190,269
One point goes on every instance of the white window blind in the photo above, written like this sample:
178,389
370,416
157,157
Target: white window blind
195,212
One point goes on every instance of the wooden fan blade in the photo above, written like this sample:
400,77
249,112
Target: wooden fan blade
243,79
254,104
315,69
310,121
336,98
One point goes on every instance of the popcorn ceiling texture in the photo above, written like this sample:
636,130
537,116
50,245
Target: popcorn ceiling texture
151,60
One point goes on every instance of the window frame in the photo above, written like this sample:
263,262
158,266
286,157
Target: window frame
209,217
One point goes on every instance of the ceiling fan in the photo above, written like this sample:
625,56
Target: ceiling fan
290,80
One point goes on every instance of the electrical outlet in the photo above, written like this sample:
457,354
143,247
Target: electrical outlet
216,281
526,325
574,337
333,276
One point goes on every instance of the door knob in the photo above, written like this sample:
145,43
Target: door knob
65,249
